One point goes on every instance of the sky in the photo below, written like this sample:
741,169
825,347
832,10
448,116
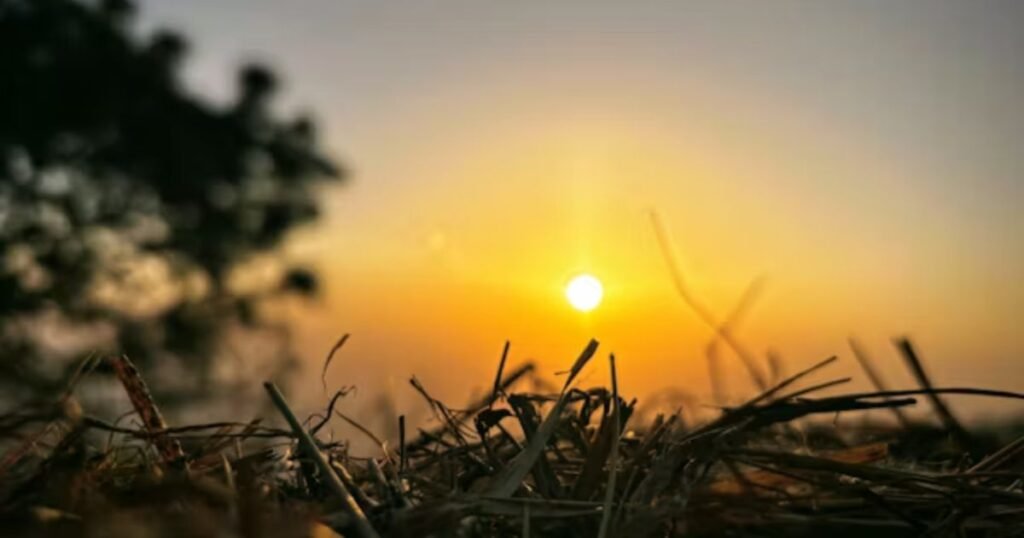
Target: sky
863,158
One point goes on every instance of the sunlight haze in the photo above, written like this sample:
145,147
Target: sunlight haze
866,161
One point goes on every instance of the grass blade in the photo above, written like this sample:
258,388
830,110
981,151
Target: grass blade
308,445
511,477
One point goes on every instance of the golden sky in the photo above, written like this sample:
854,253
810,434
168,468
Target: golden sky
865,157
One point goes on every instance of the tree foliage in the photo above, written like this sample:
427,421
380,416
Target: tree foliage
127,204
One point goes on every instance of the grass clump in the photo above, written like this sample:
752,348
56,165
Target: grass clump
566,463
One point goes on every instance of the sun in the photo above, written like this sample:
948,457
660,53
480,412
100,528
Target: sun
584,292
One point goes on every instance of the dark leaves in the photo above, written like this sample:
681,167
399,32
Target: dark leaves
115,170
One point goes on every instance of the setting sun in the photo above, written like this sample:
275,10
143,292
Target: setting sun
584,292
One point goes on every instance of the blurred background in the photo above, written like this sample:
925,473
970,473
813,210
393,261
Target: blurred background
858,163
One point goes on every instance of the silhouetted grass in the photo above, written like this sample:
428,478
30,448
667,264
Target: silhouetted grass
568,463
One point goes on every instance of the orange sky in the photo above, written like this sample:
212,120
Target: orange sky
863,156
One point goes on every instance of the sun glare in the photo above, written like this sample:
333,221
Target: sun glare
584,292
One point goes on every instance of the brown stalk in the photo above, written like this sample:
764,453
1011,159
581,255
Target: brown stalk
169,448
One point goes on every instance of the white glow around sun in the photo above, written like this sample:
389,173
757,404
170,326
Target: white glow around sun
584,292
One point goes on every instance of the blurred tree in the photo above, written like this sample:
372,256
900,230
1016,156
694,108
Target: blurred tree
127,204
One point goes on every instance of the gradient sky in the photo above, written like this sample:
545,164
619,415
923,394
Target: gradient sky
865,156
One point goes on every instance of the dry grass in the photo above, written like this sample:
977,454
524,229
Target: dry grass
570,463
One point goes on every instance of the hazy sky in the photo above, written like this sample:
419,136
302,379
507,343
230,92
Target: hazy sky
866,156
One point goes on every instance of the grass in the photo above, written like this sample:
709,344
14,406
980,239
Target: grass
567,463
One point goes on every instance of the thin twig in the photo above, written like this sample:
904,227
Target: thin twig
876,378
952,425
613,458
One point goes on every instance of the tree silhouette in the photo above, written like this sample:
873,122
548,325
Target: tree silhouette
128,204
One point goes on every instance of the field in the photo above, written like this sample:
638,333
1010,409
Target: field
568,463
